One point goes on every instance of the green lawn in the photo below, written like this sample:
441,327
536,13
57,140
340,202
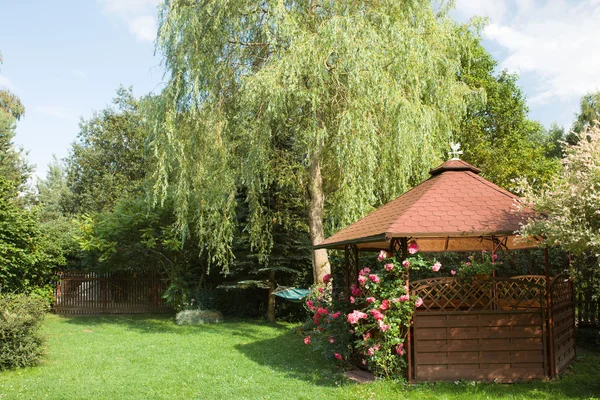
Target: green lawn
149,357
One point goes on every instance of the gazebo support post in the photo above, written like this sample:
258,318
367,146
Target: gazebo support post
403,250
550,321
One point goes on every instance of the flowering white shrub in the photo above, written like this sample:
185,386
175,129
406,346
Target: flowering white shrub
570,204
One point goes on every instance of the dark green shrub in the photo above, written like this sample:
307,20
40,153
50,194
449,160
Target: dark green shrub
20,318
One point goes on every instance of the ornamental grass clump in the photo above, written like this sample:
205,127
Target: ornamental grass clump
198,317
20,319
369,321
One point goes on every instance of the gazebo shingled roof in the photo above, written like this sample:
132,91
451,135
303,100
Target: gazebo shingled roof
454,210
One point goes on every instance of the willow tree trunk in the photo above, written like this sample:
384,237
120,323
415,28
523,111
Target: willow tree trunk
315,218
271,307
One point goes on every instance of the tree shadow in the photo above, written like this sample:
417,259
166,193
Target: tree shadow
287,354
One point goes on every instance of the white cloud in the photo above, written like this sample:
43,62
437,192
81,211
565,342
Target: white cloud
493,9
139,15
57,112
555,40
144,27
78,73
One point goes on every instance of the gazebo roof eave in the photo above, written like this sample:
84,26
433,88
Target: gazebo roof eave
388,236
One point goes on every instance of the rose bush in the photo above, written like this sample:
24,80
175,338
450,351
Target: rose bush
372,316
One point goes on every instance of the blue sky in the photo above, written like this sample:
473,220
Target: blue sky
66,58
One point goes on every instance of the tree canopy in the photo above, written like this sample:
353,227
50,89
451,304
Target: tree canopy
351,102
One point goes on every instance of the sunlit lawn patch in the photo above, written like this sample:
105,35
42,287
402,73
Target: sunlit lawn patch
150,357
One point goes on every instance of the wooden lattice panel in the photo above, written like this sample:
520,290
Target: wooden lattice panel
454,294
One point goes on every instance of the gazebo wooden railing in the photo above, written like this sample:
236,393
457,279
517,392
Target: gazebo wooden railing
497,329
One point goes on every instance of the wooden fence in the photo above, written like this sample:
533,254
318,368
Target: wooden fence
109,293
588,309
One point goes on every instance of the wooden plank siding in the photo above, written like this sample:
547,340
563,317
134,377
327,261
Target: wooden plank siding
483,346
109,293
563,315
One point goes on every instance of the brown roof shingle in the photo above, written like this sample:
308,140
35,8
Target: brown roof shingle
454,202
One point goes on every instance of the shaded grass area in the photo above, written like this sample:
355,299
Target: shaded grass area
148,357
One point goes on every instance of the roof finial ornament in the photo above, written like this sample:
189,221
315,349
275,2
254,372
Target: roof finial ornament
455,151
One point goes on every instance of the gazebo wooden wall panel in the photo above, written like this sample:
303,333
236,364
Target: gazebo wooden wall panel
563,326
488,330
487,346
109,293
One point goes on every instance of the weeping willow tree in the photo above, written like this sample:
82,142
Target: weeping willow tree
348,103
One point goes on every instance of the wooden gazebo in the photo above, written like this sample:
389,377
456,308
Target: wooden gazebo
497,329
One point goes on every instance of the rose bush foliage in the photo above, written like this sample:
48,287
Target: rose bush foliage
367,321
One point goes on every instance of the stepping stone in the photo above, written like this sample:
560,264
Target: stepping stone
360,376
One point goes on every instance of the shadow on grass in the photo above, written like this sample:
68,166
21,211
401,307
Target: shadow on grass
286,354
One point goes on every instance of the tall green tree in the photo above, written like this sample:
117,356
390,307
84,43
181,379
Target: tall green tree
365,95
13,163
496,133
57,216
107,160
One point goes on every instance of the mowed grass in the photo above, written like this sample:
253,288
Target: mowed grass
149,357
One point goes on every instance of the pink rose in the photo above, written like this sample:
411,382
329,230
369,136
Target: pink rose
406,263
395,300
383,327
419,302
321,290
371,351
338,356
374,278
316,319
468,263
356,292
382,255
494,257
388,267
351,300
385,304
336,314
404,298
483,251
370,299
362,279
307,340
413,248
436,267
309,304
376,314
331,340
365,271
355,316
453,272
400,349
326,278
322,311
